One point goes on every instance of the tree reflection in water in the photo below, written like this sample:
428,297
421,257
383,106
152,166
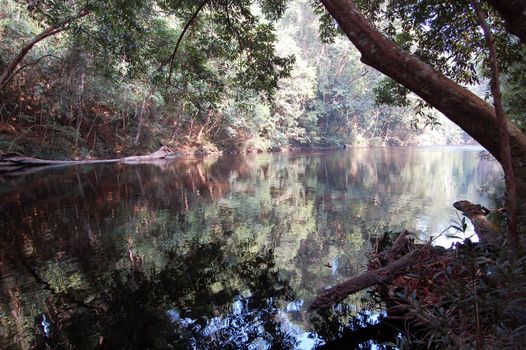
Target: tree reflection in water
209,253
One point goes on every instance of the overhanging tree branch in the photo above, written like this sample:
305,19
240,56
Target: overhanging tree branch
171,59
9,72
36,62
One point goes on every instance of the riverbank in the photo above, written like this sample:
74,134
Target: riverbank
469,296
52,144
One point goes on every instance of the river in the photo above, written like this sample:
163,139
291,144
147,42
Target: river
215,252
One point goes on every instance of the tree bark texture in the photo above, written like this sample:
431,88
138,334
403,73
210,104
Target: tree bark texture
471,113
511,197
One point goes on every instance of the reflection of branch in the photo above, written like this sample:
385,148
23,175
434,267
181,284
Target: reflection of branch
353,338
187,25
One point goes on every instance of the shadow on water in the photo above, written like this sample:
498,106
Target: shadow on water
212,253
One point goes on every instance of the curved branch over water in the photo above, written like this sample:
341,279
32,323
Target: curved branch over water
11,69
185,29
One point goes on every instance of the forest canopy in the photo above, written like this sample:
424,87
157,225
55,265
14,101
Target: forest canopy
123,77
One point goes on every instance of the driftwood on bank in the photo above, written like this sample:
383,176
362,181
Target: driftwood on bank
16,163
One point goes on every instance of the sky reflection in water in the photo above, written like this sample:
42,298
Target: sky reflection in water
221,252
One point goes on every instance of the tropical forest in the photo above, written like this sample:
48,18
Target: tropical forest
262,174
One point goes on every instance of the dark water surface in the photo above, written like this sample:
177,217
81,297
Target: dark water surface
221,252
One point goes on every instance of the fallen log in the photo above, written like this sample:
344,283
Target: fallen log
388,264
368,279
402,245
13,162
161,153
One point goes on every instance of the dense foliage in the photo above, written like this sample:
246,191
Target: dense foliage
113,82
449,38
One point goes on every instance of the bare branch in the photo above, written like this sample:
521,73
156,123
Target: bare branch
36,62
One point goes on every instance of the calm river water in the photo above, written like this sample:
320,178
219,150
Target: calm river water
221,252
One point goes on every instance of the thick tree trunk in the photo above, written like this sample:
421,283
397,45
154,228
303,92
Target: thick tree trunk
514,14
505,158
472,114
